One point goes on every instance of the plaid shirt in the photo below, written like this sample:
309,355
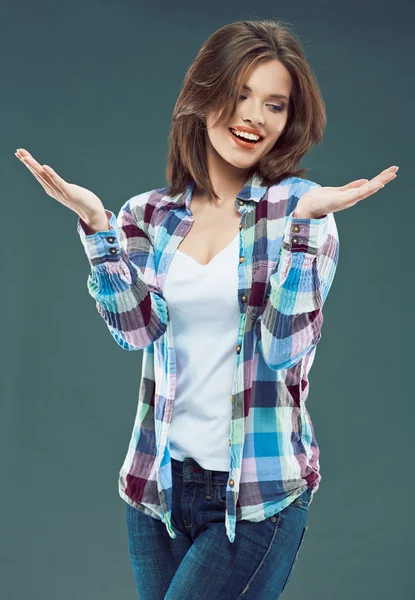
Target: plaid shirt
285,270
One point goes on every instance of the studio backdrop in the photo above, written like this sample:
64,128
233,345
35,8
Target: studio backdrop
89,88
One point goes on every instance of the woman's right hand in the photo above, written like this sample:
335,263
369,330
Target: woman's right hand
83,202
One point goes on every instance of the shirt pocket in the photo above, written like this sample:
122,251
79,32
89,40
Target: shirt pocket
262,269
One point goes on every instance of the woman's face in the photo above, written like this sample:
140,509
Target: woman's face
256,109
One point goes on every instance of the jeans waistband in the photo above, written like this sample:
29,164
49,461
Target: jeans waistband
190,470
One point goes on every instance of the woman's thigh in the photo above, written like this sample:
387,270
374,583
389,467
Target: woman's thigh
201,563
155,556
256,566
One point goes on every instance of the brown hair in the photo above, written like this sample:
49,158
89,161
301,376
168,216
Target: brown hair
222,66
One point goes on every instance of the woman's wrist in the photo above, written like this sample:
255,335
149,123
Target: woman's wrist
96,222
302,215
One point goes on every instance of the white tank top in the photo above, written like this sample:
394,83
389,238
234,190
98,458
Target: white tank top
203,305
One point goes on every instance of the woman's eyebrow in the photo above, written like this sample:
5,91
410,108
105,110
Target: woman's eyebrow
248,89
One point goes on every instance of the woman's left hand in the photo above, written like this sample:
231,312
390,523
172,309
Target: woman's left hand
320,201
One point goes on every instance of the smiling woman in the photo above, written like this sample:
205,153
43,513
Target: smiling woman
254,69
222,462
256,106
238,287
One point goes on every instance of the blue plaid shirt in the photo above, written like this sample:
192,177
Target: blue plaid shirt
285,269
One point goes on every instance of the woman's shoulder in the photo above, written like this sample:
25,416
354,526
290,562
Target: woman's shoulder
142,207
143,199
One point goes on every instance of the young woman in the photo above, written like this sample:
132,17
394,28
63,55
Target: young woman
221,278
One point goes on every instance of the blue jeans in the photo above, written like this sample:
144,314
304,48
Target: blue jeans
201,563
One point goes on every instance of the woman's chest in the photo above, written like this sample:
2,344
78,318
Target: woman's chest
249,239
210,233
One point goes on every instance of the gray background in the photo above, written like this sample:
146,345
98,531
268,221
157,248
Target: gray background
88,88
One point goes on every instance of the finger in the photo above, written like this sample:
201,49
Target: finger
40,174
42,180
48,179
45,172
386,175
353,184
371,187
48,188
394,168
25,156
29,161
55,178
36,169
378,182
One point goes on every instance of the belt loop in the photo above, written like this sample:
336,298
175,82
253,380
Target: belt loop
208,484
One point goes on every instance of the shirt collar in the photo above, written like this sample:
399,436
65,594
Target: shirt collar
252,190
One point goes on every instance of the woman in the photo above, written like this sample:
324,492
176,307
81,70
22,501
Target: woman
221,279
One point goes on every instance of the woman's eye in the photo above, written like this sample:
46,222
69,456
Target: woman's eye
276,107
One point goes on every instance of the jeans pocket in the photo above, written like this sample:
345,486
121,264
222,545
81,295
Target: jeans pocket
219,495
295,558
302,501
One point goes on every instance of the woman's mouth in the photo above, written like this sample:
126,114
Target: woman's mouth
245,143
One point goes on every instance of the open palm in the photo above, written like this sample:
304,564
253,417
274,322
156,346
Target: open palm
82,201
320,201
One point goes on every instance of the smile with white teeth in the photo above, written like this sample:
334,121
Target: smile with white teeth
247,136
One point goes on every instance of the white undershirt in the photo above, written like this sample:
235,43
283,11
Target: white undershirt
203,305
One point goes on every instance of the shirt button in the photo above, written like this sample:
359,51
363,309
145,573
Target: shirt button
244,297
297,240
240,226
242,259
229,442
231,482
238,348
113,250
110,239
241,202
296,228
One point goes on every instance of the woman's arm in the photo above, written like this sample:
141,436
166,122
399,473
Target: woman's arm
123,277
291,321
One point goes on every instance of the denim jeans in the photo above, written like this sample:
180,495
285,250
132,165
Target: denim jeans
201,563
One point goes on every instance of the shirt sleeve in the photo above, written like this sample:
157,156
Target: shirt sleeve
291,321
123,279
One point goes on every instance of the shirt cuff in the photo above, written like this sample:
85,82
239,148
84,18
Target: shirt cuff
305,235
100,246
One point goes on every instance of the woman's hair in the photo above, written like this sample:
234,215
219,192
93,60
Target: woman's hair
213,84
